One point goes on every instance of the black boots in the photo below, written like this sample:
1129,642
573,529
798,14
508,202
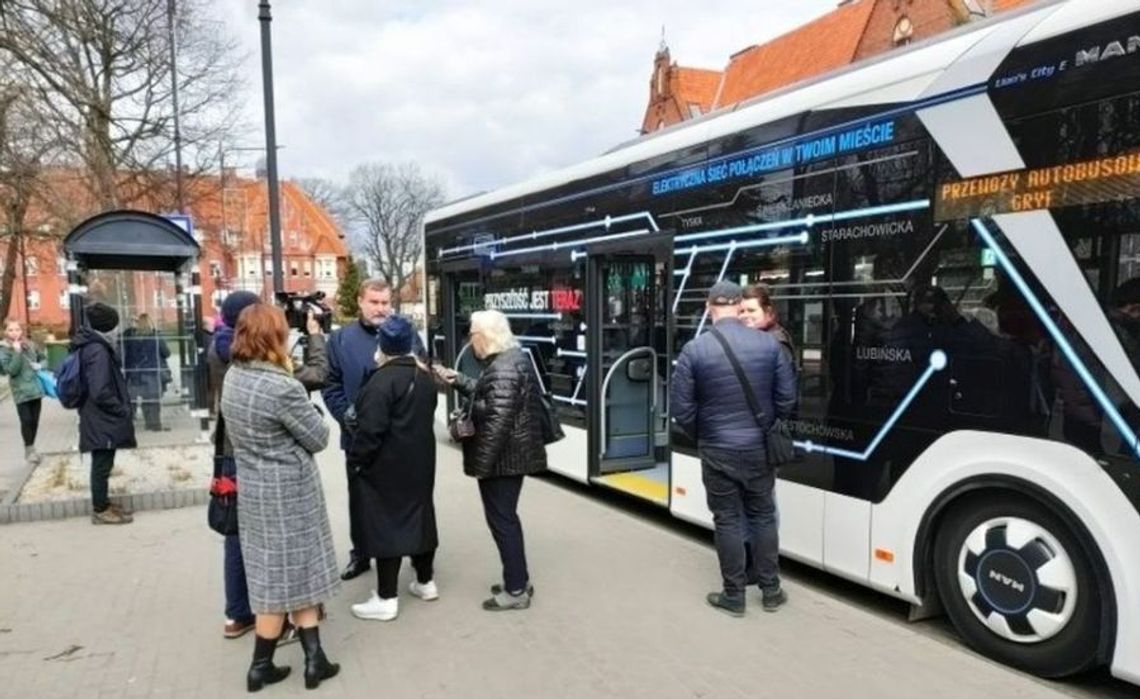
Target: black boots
262,671
317,666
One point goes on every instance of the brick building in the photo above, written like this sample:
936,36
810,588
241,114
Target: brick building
231,223
854,30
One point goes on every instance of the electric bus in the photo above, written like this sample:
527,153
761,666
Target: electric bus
951,235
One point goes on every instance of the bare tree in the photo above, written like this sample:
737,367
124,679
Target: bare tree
25,148
329,195
101,71
387,204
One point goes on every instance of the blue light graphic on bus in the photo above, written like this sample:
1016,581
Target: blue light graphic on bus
937,362
606,222
779,157
731,247
1059,338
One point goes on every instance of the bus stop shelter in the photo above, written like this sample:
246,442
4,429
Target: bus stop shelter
132,260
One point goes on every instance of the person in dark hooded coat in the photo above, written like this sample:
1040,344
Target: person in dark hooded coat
105,416
392,462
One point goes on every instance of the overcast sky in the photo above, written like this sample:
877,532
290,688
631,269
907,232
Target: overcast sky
483,94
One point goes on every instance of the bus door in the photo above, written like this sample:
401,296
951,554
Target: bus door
628,332
461,295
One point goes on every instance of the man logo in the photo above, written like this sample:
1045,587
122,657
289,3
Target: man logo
1113,49
1007,581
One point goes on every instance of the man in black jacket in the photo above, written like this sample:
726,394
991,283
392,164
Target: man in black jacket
105,416
710,404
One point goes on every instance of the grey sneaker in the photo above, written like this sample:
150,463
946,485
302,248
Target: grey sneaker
111,516
505,601
773,599
31,456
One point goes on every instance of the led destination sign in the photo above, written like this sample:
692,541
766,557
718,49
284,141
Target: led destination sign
1074,184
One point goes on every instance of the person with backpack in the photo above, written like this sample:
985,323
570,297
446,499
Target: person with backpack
105,411
392,459
20,360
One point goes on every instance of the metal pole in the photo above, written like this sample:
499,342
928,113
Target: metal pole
271,144
174,98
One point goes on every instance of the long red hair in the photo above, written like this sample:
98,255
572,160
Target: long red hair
261,335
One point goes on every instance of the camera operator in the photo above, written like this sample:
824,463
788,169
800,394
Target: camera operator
352,356
312,373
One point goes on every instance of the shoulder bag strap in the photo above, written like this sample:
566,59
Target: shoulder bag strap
219,445
749,396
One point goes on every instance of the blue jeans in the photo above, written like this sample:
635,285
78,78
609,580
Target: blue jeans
237,593
740,486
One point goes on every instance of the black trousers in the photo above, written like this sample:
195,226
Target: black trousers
29,412
102,462
500,507
388,572
353,514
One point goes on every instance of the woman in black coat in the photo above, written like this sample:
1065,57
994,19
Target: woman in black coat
506,405
392,462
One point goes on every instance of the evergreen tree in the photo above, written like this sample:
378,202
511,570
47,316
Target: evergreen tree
346,292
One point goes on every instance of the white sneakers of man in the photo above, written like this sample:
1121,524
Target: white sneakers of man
376,609
427,591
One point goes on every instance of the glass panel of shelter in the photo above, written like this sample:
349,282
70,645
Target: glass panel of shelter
157,345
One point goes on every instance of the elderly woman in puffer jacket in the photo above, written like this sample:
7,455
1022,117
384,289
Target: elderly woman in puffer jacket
507,445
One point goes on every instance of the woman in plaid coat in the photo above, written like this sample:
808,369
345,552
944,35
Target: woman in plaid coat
286,540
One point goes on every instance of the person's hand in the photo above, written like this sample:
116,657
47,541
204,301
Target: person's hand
36,366
313,325
448,375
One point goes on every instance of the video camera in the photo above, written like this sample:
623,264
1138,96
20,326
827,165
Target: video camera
298,306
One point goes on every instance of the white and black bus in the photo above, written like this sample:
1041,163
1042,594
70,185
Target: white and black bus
951,234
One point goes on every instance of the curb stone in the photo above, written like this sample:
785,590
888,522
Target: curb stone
81,507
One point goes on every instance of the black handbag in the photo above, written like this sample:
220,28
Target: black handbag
778,436
222,512
551,425
460,425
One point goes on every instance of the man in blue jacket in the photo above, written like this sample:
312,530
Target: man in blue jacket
352,357
709,403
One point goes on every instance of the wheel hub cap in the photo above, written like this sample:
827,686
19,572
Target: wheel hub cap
1017,579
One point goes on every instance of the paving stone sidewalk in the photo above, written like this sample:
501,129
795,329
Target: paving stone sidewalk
136,611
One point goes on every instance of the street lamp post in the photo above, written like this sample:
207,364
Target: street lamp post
265,17
170,11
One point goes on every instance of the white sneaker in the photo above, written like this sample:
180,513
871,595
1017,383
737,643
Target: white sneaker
427,591
376,609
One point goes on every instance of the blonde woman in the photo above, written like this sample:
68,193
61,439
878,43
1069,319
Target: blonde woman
392,462
19,361
507,445
286,541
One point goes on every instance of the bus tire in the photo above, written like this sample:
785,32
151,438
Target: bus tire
1017,585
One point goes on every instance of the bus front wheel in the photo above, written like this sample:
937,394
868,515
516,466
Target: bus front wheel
1017,585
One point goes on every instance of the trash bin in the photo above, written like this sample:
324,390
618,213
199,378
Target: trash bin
56,353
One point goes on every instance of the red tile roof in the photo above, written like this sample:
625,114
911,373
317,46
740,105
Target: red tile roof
695,86
824,44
